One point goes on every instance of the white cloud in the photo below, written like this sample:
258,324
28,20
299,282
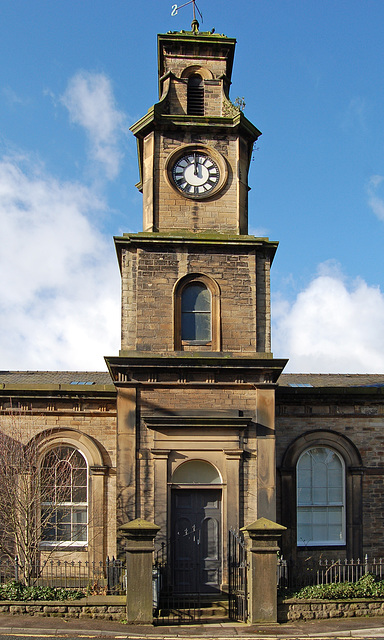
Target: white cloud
355,114
333,326
59,307
375,200
12,98
91,104
258,232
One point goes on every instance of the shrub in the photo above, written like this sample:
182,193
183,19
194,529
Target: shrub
16,591
367,587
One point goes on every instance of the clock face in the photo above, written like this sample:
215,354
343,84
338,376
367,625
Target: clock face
195,174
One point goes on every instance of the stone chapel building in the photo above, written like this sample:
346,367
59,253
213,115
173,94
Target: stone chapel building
196,426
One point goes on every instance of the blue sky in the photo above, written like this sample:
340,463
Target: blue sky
76,74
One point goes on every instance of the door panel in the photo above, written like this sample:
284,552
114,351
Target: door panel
196,540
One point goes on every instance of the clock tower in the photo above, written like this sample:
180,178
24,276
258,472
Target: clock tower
195,375
194,144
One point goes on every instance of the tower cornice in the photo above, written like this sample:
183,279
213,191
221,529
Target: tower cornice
205,240
156,118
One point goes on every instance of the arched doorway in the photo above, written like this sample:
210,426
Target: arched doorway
196,528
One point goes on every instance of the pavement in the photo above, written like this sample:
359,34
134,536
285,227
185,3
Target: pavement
372,627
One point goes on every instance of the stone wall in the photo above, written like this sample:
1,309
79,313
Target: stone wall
358,418
81,416
149,275
114,608
106,608
290,610
172,210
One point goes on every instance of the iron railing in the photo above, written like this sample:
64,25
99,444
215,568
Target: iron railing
170,604
294,574
237,574
102,578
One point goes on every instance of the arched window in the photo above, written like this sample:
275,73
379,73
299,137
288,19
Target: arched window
197,313
195,95
196,320
320,481
64,497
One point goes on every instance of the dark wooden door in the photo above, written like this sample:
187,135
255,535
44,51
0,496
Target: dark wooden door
196,540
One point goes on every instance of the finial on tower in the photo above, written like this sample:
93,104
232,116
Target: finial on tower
195,25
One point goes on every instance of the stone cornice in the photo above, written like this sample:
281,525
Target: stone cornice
197,369
219,421
155,118
183,237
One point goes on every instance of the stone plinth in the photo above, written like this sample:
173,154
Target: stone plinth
139,535
262,537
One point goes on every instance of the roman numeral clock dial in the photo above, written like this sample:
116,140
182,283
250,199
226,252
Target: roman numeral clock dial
196,174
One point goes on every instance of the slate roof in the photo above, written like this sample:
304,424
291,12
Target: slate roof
90,378
331,380
75,378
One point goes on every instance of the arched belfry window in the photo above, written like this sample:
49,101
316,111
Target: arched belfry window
195,95
197,313
320,479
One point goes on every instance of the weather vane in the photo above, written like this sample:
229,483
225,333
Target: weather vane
195,24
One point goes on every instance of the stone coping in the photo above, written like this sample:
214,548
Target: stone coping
103,600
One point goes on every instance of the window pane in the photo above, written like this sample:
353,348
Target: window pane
203,300
305,461
79,533
304,496
196,326
320,495
319,533
335,516
48,524
64,532
77,460
304,477
79,494
80,515
304,516
335,477
196,297
80,477
320,484
319,516
64,481
63,515
203,326
188,328
196,313
335,533
335,495
319,478
79,524
196,472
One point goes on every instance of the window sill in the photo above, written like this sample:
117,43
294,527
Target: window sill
63,546
332,545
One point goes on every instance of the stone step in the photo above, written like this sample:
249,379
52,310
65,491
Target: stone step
211,611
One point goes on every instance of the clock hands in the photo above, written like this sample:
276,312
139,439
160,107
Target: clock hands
196,174
196,169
